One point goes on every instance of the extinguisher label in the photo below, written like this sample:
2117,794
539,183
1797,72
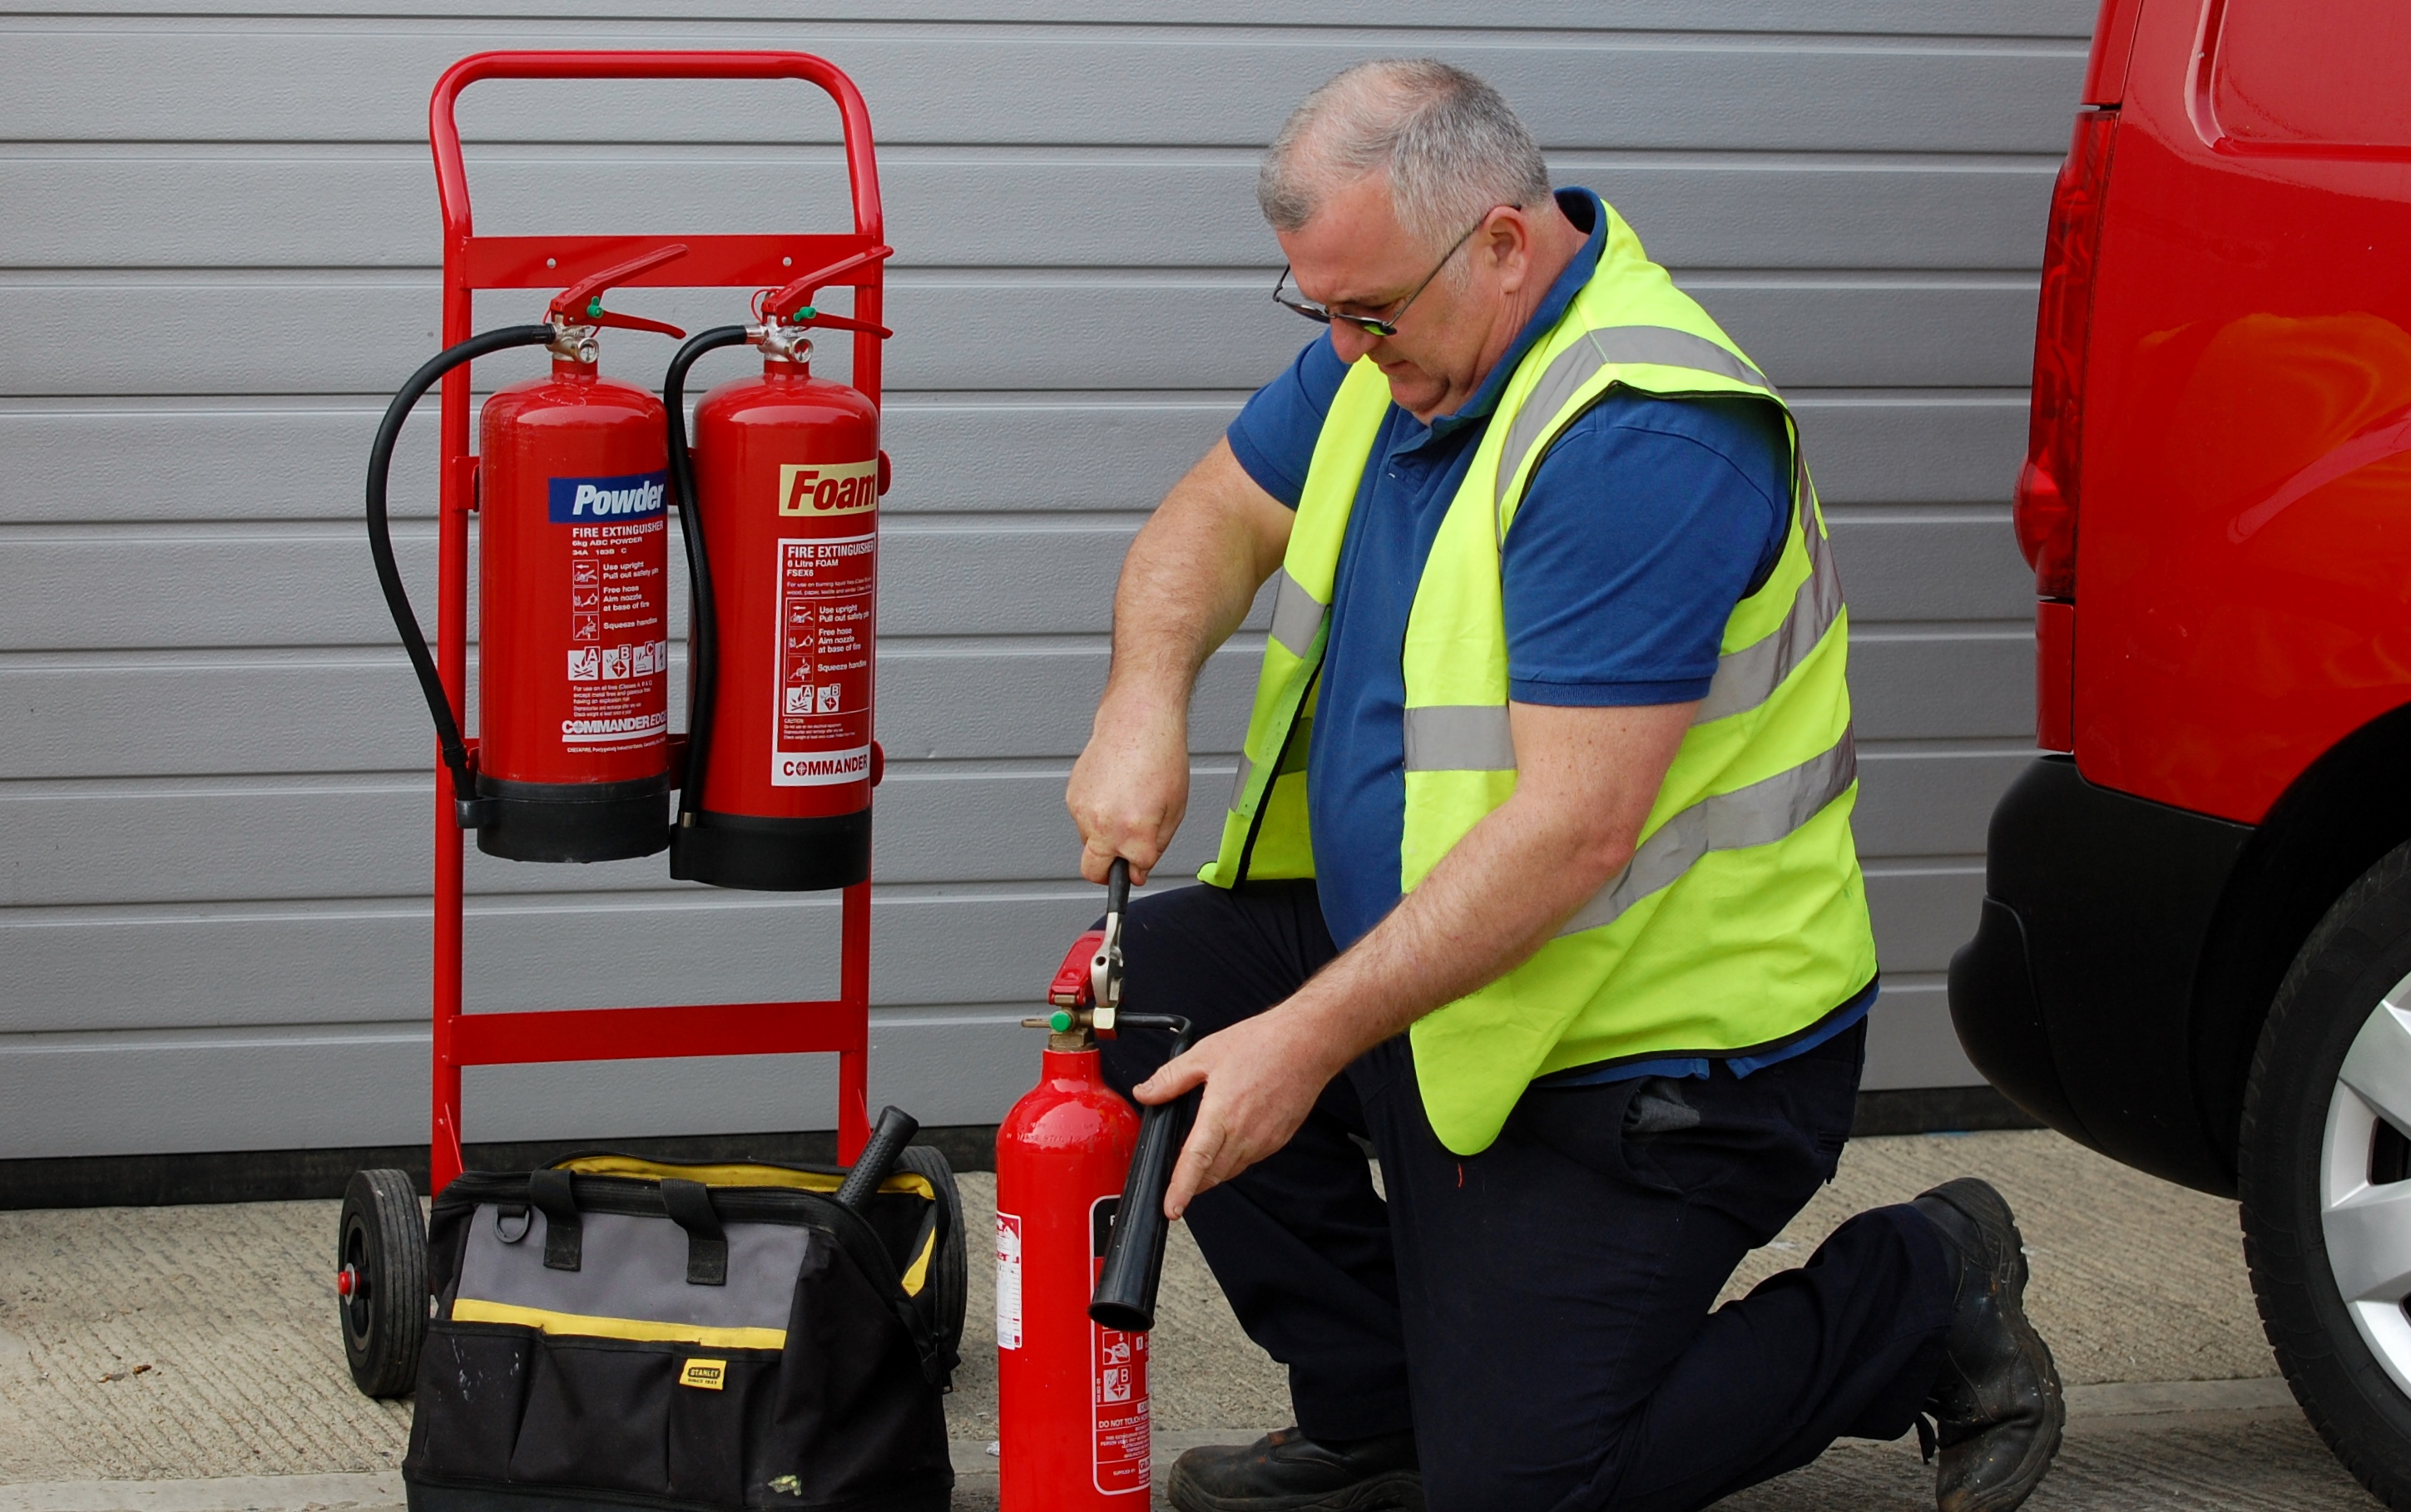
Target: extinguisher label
590,500
1008,1281
618,661
1122,1436
828,488
822,715
1124,1445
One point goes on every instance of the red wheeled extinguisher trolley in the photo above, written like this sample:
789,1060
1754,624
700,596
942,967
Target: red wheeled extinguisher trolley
574,481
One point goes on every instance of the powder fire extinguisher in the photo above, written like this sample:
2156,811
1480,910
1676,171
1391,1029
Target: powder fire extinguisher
572,761
778,500
1079,1248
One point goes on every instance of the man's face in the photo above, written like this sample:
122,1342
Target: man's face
1354,259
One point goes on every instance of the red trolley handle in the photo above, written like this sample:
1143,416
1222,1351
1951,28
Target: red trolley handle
444,130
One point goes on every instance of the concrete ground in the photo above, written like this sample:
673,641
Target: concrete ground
186,1359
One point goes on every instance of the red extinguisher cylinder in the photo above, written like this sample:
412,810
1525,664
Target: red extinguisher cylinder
1071,1394
573,668
787,479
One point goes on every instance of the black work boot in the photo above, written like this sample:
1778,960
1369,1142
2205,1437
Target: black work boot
1287,1472
1997,1408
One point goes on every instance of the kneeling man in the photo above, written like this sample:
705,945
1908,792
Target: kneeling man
1538,877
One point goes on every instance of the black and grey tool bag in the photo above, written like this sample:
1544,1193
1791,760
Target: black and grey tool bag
614,1332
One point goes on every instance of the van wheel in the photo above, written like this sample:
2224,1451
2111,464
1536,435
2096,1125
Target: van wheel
949,1275
2324,1163
381,1281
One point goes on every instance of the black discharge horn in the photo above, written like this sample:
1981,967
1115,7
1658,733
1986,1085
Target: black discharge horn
1133,1264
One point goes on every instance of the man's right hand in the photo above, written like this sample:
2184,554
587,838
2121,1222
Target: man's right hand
1130,788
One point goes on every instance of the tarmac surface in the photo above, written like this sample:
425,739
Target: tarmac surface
186,1359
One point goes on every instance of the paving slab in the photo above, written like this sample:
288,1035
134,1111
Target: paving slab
185,1359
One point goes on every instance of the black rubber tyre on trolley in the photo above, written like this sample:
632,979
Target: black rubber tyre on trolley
381,1281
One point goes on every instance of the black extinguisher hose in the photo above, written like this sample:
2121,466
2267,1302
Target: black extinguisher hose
397,599
703,613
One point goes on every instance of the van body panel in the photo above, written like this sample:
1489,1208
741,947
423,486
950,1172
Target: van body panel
2231,661
2244,575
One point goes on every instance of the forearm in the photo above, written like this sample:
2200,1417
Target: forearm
1185,586
1490,905
1589,777
1188,582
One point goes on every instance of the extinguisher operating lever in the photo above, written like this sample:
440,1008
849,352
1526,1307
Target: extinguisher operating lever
581,303
1106,967
794,300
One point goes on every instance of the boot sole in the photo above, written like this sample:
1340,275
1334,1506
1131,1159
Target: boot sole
1990,1212
1399,1489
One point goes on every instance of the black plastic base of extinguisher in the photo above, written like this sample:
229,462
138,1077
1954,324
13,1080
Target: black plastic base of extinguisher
774,855
573,821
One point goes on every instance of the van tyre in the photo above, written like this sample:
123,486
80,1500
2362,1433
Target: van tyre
381,1245
2325,1174
949,1273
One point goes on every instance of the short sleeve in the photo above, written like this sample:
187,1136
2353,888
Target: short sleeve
1648,520
1273,435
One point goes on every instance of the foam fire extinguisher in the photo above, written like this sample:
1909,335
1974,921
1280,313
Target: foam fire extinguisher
572,762
778,500
1074,1212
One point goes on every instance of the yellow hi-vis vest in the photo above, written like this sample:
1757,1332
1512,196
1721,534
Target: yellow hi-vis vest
1742,919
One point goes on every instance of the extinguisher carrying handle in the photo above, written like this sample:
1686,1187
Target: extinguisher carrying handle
703,617
397,599
1132,1271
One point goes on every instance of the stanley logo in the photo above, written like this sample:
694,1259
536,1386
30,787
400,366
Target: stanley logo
705,1375
828,488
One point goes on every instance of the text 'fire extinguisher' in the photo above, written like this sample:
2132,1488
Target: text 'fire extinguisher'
778,500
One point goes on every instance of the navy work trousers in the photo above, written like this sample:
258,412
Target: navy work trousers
1539,1313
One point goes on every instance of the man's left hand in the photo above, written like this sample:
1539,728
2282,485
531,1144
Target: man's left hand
1262,1076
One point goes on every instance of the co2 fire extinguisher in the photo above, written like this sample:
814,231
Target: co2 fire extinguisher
1079,1249
779,499
572,762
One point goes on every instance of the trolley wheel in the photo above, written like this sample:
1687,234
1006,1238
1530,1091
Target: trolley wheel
949,1276
381,1281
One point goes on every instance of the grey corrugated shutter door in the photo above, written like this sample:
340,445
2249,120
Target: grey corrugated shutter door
218,249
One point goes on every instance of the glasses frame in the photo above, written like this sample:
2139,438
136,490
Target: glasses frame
1372,325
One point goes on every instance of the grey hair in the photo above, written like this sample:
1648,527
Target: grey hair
1451,145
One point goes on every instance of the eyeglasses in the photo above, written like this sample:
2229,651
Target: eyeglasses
1369,325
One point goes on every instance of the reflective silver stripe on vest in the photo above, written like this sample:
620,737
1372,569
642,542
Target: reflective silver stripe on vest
1478,737
1657,345
1459,737
1748,676
1295,616
1760,814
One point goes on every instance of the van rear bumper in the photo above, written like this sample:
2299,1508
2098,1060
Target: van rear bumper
2075,997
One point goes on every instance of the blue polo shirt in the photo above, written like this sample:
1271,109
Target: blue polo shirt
1644,526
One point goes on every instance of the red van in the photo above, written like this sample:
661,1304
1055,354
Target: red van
2195,948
